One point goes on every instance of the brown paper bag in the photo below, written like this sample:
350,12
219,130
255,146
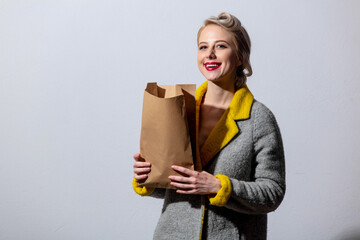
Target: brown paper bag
167,131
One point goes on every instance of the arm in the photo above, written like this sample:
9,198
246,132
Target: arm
266,191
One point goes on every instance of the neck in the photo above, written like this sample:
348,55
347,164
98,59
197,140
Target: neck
219,95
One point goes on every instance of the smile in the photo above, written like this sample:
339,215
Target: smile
211,66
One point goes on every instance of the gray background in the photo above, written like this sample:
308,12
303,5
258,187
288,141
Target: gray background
72,75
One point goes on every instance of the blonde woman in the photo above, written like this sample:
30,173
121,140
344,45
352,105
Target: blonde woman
240,169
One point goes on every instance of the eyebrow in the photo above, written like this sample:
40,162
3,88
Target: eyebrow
216,42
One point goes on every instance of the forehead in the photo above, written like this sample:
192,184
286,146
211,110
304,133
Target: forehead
213,32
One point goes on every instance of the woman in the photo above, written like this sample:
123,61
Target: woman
240,174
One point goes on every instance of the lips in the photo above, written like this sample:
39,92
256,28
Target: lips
211,66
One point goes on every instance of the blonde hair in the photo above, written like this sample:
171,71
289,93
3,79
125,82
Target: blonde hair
241,41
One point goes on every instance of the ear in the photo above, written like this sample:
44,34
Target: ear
238,62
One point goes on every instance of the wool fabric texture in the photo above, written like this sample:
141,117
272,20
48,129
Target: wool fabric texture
245,148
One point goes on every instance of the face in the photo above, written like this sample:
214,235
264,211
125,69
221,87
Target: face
217,58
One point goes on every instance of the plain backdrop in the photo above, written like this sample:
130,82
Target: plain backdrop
72,76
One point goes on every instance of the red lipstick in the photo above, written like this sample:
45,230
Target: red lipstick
211,66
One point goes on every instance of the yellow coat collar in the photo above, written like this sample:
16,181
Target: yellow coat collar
226,128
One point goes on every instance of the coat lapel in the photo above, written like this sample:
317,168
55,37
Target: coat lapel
226,128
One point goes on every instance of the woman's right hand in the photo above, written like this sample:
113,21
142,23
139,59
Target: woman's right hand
141,168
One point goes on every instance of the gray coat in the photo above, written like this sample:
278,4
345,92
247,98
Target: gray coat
254,162
246,147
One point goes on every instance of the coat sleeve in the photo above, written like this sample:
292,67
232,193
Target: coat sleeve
266,190
146,191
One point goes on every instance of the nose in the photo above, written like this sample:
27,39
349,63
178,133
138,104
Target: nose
211,54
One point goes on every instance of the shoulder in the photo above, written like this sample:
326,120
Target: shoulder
260,110
259,107
263,118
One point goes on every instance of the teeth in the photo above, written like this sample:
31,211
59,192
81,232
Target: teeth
212,65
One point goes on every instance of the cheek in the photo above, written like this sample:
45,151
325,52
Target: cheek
233,60
199,60
198,57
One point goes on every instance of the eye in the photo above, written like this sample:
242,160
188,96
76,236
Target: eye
202,47
221,46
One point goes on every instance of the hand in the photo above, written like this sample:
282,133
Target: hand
194,182
141,168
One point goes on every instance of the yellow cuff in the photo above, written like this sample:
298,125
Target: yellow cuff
224,193
142,191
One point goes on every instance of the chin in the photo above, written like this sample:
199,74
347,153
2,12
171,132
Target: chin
212,78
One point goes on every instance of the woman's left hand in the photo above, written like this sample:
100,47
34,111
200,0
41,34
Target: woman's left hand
194,182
